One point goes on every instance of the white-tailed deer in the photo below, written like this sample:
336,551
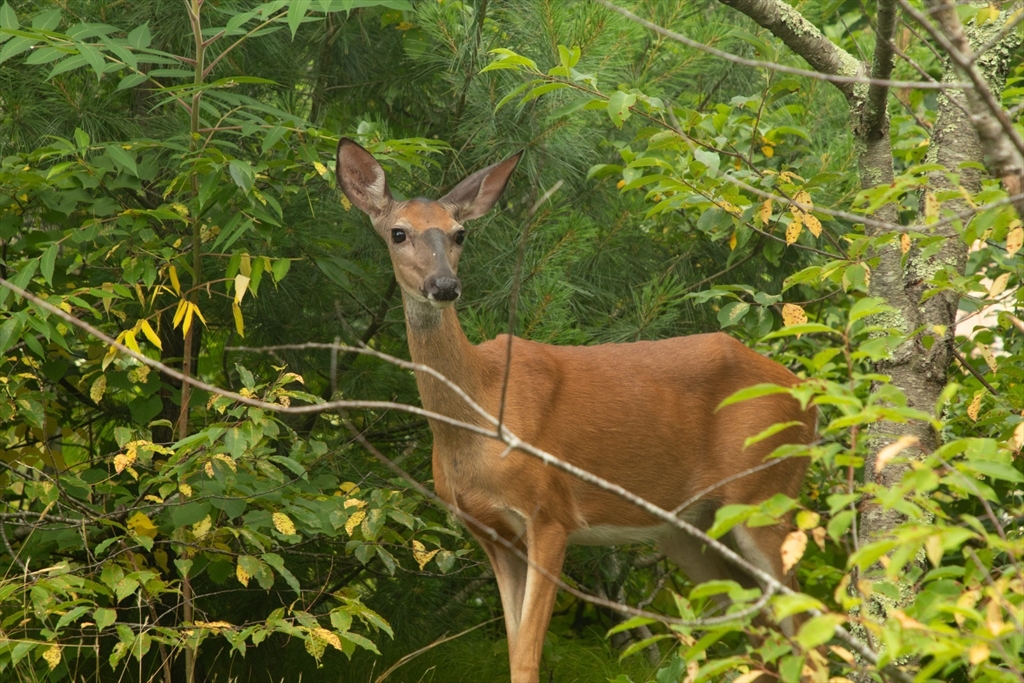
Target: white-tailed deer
641,415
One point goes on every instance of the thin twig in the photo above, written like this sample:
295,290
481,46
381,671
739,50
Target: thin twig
514,298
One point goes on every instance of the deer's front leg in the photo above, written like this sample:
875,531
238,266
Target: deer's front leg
546,542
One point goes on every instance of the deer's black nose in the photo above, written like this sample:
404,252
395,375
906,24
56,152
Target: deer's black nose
443,288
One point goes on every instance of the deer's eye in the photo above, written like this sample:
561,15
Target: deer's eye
397,235
460,237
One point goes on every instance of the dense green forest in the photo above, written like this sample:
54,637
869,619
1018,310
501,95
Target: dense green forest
212,463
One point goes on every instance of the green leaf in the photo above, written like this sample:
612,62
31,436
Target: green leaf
628,624
756,391
797,330
103,617
732,313
132,80
818,630
296,12
8,18
770,431
280,268
122,158
618,106
243,174
993,469
9,332
70,616
140,37
275,561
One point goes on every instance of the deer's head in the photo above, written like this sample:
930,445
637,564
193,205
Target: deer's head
424,236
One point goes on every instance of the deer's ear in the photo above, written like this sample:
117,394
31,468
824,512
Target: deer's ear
478,193
362,179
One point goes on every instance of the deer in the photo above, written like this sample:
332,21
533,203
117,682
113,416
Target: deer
643,415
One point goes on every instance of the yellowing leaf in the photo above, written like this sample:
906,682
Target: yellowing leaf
804,198
1018,436
793,547
98,388
150,334
931,208
242,575
283,523
185,489
328,637
998,286
978,653
793,230
987,354
354,521
886,454
241,284
975,407
904,243
141,525
236,311
420,554
732,241
793,314
768,151
994,618
933,549
354,502
52,657
345,203
208,468
123,460
1014,240
173,273
179,313
130,342
813,224
320,168
750,676
807,519
764,214
201,528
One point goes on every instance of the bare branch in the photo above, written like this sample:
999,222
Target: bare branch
836,65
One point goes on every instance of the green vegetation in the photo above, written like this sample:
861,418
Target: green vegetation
166,177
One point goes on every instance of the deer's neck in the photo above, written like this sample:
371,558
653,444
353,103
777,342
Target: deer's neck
436,340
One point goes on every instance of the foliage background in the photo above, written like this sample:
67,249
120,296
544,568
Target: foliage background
136,548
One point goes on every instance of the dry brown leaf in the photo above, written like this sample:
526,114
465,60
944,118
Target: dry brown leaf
1014,240
792,314
975,407
793,230
842,653
764,214
793,547
889,452
907,621
998,286
818,533
904,243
